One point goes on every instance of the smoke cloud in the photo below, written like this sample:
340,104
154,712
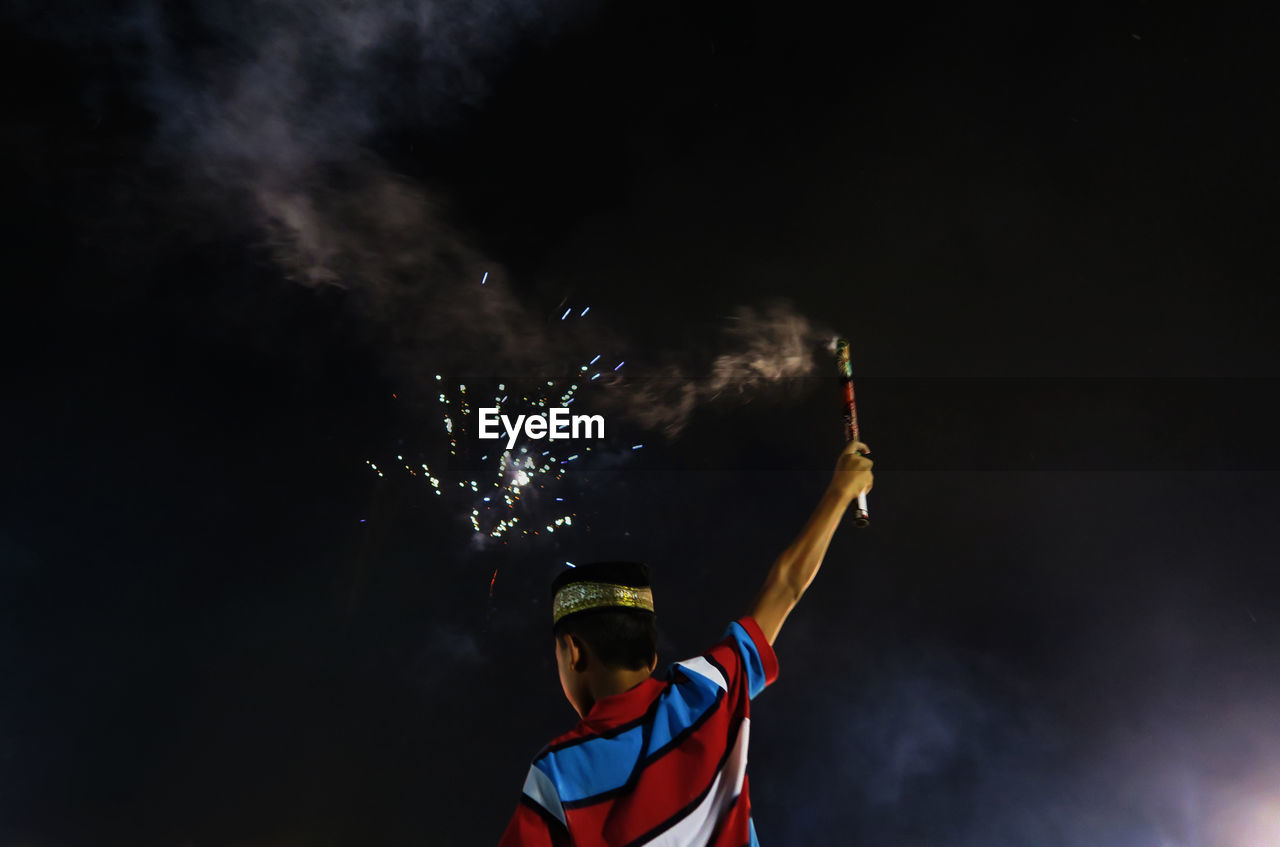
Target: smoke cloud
276,124
268,118
945,748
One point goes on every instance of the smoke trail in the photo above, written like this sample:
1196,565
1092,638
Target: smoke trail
763,349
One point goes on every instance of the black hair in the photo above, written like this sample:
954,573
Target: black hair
619,637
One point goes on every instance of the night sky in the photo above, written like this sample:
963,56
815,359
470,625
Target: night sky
242,240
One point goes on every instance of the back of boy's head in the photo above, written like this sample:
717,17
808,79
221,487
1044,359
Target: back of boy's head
609,606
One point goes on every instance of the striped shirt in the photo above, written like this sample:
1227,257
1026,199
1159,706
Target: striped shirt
664,763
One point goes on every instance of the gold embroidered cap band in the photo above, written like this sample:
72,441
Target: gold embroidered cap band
580,596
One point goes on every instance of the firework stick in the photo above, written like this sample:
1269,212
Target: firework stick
861,517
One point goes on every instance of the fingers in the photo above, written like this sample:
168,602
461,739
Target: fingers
853,470
853,461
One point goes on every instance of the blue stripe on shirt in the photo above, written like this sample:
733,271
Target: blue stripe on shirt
594,766
598,765
750,658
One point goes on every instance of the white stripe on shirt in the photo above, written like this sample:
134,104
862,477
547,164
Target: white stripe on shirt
696,828
702,667
539,788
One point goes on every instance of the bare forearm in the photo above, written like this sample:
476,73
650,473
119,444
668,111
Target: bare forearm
793,571
797,565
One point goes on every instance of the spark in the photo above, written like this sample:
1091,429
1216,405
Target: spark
484,278
566,314
584,312
620,364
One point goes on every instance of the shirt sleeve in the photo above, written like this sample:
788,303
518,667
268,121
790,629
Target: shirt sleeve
745,654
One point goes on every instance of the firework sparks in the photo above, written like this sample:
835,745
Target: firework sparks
499,495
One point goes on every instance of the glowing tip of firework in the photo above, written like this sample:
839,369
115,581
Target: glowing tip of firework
438,376
571,564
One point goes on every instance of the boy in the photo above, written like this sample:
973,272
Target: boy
662,761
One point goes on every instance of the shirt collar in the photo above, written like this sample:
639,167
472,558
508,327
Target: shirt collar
617,709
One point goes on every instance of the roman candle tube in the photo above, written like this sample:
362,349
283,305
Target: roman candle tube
861,517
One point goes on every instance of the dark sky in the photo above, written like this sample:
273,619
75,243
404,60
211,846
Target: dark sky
242,239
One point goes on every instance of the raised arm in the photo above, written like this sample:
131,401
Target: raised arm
799,563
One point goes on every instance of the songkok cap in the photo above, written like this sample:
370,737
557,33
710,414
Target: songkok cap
599,586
